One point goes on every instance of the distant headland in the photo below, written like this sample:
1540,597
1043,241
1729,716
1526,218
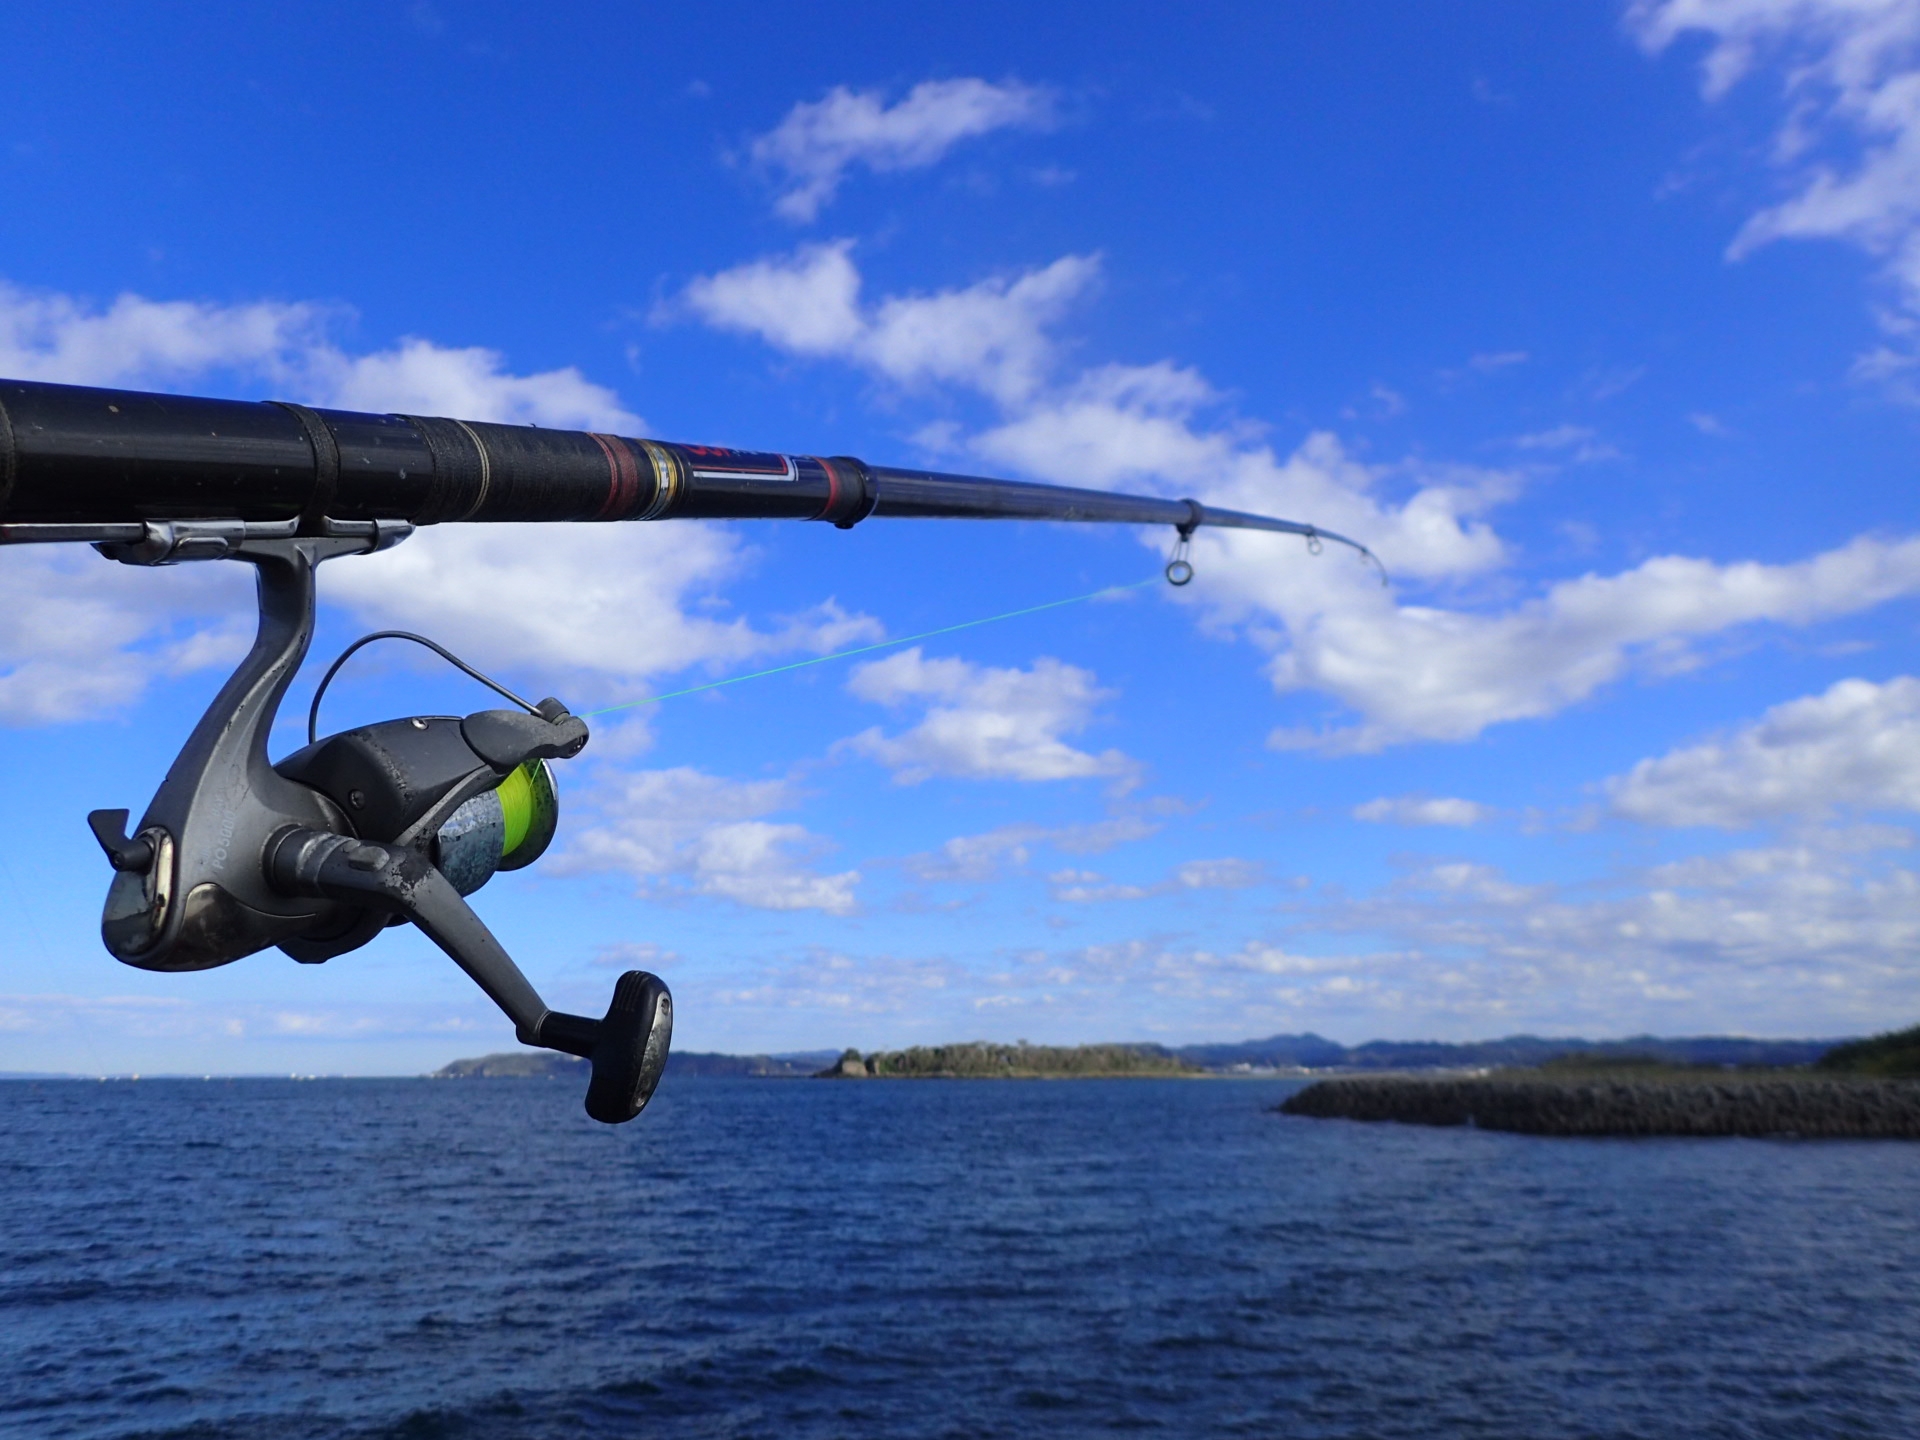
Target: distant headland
982,1060
548,1065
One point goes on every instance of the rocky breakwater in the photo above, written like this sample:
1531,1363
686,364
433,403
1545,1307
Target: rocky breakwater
1804,1104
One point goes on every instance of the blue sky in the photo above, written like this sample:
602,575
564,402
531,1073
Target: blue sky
1597,322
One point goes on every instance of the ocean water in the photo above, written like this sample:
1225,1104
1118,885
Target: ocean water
272,1259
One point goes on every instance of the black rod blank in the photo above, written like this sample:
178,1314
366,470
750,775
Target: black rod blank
76,456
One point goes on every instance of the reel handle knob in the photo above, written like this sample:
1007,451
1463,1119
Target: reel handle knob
628,1048
631,1051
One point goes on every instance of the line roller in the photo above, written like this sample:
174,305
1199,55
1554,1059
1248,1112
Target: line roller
401,821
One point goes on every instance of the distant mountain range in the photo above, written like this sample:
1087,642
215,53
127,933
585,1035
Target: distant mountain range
1315,1052
1277,1052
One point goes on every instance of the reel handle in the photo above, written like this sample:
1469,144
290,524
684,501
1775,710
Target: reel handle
628,1047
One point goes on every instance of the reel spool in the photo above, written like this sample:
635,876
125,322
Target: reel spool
505,828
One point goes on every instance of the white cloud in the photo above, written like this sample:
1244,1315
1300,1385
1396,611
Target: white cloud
637,955
1492,361
990,336
1226,873
1577,442
982,857
137,342
983,723
1423,810
682,829
1858,744
1812,937
1415,672
119,1018
820,140
81,638
818,983
807,302
1850,141
1090,887
1389,402
978,857
418,377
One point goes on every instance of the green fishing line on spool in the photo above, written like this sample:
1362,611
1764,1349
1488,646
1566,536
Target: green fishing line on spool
529,813
516,809
878,645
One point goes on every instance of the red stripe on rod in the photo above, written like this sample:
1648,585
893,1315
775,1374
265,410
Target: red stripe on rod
623,477
833,490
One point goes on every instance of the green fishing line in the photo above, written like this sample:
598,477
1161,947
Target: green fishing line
516,807
879,645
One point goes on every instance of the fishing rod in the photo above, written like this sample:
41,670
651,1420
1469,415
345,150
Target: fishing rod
398,822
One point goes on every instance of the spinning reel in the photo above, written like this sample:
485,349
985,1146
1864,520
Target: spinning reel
376,826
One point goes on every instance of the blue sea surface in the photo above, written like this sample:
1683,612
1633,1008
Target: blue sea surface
475,1259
